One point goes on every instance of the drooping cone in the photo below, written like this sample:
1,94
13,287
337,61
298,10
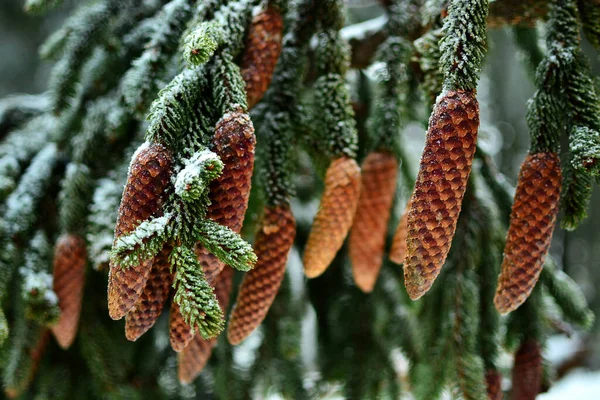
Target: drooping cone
531,225
143,197
335,215
234,142
70,258
27,374
273,242
262,51
367,237
527,371
195,355
150,304
180,333
398,250
493,381
440,187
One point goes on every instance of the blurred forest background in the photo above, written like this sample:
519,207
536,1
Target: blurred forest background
504,90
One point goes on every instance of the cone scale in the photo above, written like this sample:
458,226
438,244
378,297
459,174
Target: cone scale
527,372
398,250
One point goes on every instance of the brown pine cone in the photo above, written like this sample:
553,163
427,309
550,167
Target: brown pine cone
367,237
262,51
143,197
527,371
440,187
180,333
493,380
273,242
150,304
398,250
530,233
70,258
195,355
234,144
335,215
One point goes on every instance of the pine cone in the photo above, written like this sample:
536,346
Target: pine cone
398,250
530,233
261,284
440,187
367,238
70,258
143,197
150,304
180,333
195,355
493,381
234,143
335,215
262,52
527,371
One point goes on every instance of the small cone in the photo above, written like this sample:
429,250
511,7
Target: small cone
150,304
261,284
367,238
493,381
262,52
527,372
143,197
398,250
234,144
530,233
440,187
180,333
70,258
335,215
195,355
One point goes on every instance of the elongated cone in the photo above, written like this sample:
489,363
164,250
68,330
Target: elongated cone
493,381
195,355
143,197
531,225
440,187
527,371
234,142
35,353
261,54
367,237
180,333
70,258
335,215
150,304
273,242
398,250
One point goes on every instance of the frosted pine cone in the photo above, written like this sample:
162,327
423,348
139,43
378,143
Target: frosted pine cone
440,187
335,215
530,233
195,355
70,259
234,144
367,238
398,250
143,197
150,303
262,51
180,333
527,371
273,242
493,381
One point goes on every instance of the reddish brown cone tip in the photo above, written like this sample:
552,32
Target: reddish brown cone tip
273,242
193,358
70,258
367,237
530,233
143,197
262,52
527,372
440,187
398,250
150,303
493,381
335,215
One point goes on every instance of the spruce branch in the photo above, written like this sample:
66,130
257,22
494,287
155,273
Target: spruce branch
41,6
201,43
193,180
75,194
